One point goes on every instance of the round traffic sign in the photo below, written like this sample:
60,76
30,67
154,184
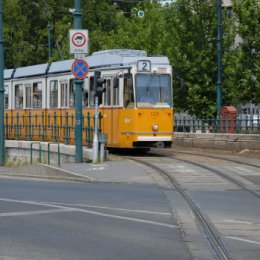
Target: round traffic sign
80,68
79,39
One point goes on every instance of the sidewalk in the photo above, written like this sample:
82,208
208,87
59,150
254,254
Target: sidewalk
112,171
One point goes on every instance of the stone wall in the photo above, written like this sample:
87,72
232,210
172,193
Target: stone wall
235,142
22,152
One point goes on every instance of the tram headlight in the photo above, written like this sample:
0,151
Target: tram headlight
155,127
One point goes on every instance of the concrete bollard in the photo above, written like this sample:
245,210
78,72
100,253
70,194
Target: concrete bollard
102,141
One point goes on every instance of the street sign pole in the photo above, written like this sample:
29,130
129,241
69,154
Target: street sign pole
95,139
1,87
219,44
78,93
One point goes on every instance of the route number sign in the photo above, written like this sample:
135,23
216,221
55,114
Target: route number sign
144,65
78,41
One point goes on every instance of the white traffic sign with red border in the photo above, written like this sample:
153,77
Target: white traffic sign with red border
78,41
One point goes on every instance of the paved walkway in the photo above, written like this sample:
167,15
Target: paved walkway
110,171
115,170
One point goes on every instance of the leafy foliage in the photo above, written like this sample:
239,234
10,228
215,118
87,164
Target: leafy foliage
185,31
248,71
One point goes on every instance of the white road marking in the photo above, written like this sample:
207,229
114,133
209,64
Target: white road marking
96,169
238,221
33,212
111,208
90,212
243,240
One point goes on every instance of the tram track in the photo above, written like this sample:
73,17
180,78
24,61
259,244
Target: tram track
215,237
217,172
207,227
216,157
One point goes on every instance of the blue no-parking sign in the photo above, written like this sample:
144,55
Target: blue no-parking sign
80,69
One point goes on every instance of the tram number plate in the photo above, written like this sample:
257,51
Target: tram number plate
154,113
144,65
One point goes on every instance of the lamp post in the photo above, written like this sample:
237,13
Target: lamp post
219,45
78,92
1,87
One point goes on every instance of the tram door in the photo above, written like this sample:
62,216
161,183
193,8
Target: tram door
115,111
111,103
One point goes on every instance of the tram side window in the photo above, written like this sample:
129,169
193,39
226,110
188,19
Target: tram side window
64,93
128,90
28,95
6,102
115,95
54,94
72,93
91,92
19,96
37,94
85,93
107,96
165,89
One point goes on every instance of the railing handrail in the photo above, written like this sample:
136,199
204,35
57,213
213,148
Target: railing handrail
48,127
229,124
58,152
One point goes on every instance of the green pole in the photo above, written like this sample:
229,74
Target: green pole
49,40
1,87
78,92
219,44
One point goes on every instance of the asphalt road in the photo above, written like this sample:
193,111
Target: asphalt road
58,220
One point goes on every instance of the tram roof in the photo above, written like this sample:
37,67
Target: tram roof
122,52
30,71
107,60
103,59
8,73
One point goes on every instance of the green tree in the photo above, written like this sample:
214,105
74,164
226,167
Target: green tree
15,30
25,32
248,69
185,31
192,37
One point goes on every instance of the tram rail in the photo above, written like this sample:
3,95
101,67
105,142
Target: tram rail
214,157
210,231
206,225
220,173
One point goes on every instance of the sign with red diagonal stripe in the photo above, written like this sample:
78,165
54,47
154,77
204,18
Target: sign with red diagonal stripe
80,69
78,41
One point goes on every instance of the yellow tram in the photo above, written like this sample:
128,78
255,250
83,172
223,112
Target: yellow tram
136,106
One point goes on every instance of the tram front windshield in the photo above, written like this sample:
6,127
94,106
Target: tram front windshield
153,90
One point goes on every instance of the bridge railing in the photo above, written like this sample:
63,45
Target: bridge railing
49,127
244,124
